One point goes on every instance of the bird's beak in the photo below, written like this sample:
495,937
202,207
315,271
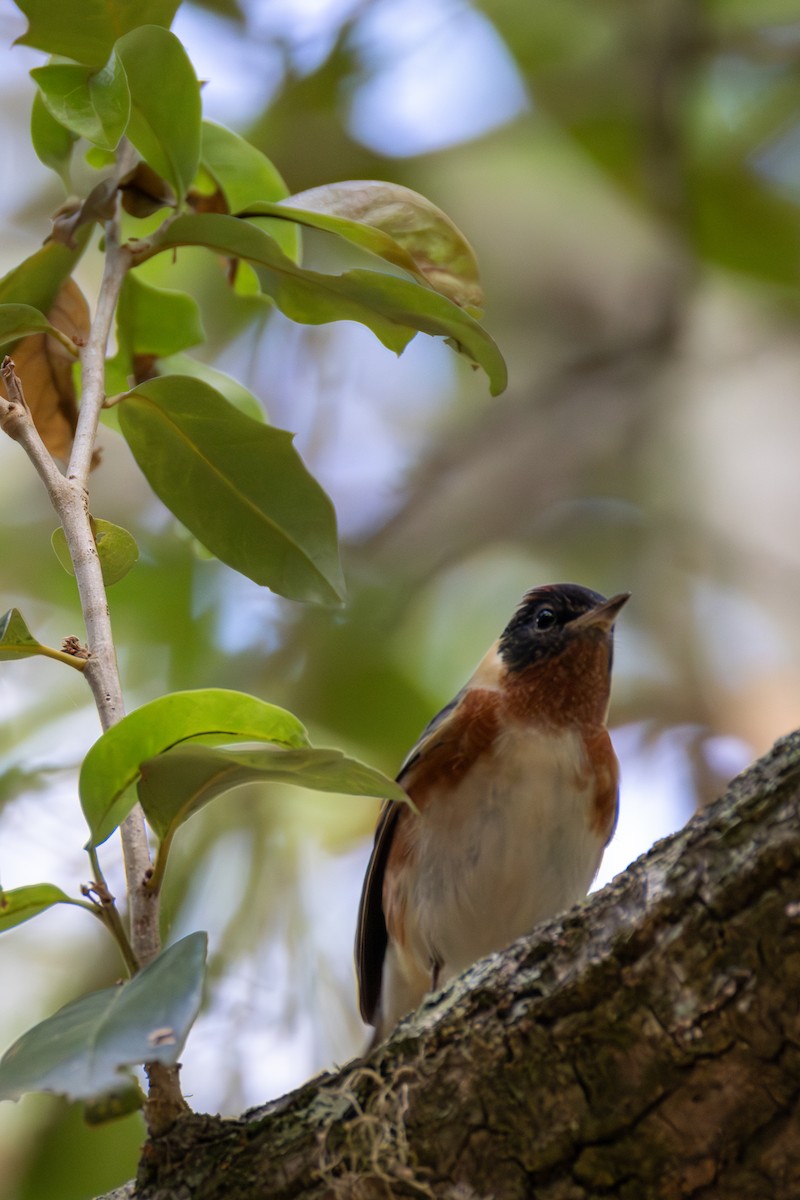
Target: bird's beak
603,616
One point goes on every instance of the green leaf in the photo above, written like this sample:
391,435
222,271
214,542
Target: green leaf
22,903
21,320
85,1051
113,1105
397,224
233,391
16,640
100,159
239,486
87,29
116,549
245,176
394,309
112,766
165,97
51,141
92,104
38,279
176,784
156,321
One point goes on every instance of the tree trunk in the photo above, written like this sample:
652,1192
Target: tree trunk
646,1045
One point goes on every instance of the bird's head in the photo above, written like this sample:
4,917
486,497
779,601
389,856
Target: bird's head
561,639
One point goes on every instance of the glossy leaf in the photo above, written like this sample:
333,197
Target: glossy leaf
37,279
397,224
239,486
92,104
245,176
113,763
87,29
394,309
228,387
85,1051
175,785
165,104
21,320
179,782
116,549
51,141
23,903
156,321
16,640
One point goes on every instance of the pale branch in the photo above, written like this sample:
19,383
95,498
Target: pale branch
16,420
70,499
646,1044
93,356
101,669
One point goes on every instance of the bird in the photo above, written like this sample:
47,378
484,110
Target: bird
515,792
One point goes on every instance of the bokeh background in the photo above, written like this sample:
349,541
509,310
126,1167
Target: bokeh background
629,175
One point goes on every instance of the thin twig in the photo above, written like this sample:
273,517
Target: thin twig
101,669
93,356
70,501
69,497
107,911
16,420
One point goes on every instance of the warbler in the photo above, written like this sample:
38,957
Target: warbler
516,787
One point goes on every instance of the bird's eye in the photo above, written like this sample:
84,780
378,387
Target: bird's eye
544,619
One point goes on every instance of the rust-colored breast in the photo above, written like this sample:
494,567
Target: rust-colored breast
571,688
605,768
463,738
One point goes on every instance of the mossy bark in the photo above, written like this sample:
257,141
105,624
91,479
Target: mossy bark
647,1045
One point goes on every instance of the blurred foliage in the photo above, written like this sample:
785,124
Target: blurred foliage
637,224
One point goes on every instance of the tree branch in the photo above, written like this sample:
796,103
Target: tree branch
69,497
646,1044
101,669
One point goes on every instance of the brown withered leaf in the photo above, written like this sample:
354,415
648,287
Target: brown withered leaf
45,368
144,192
144,367
207,202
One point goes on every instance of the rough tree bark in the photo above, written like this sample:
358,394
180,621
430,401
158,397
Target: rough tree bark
647,1045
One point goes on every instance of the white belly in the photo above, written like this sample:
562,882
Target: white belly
510,847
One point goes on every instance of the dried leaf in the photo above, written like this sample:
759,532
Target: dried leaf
207,202
399,225
45,369
144,192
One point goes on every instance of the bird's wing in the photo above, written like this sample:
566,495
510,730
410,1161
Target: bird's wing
371,933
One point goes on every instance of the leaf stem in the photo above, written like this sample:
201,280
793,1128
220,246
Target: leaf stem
71,660
157,878
106,909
